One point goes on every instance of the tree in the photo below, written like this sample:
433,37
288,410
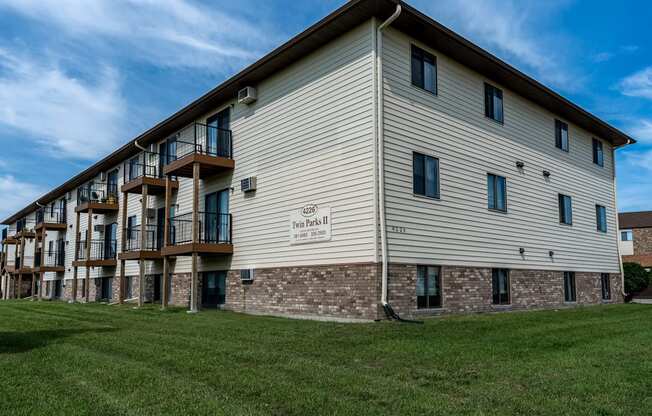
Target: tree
636,278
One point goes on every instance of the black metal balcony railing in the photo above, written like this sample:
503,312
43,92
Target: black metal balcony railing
99,250
51,258
98,192
146,164
133,238
214,228
203,139
51,216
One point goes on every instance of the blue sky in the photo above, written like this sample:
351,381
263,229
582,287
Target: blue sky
78,79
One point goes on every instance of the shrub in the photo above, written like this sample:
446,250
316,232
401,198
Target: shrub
636,277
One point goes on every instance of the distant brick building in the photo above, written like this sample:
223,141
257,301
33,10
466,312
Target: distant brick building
636,237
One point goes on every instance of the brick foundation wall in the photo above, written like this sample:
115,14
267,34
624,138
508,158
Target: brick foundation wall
345,291
642,241
467,290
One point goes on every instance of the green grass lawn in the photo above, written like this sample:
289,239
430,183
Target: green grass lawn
96,359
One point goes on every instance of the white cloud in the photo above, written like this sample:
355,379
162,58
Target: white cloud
641,130
602,57
635,180
65,115
638,84
166,33
511,29
16,194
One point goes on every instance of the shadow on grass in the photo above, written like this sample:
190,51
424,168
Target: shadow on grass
17,342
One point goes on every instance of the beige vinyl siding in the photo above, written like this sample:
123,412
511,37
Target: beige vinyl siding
307,139
458,229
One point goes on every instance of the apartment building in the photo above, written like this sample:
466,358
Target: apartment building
636,237
375,159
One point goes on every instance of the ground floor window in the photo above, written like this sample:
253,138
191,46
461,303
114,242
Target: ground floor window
428,287
606,286
500,286
569,287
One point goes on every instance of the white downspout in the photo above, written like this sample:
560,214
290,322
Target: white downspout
139,146
620,257
380,151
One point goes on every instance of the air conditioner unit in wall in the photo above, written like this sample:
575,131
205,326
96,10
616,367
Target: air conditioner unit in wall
248,184
247,95
247,275
102,176
151,213
98,228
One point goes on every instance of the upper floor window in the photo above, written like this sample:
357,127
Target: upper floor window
598,154
601,218
497,192
428,287
626,235
425,170
561,135
424,70
565,209
500,286
493,103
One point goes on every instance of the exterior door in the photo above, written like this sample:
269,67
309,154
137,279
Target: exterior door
216,133
160,227
216,221
107,288
112,184
213,289
57,289
157,288
110,239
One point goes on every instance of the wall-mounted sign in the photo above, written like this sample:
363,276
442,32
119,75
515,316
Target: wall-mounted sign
310,224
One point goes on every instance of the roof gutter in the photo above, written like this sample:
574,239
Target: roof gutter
139,146
380,150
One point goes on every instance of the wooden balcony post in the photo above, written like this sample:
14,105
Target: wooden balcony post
166,241
123,244
89,239
33,286
42,274
76,257
20,284
22,262
195,236
143,235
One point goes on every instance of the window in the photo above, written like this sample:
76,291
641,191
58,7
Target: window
50,249
428,287
561,135
565,209
606,286
424,70
569,287
497,192
601,218
425,171
626,235
493,103
500,286
598,154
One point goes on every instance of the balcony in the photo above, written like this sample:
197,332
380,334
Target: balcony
145,169
51,219
102,253
8,237
214,235
101,198
25,264
53,260
25,228
135,250
209,146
